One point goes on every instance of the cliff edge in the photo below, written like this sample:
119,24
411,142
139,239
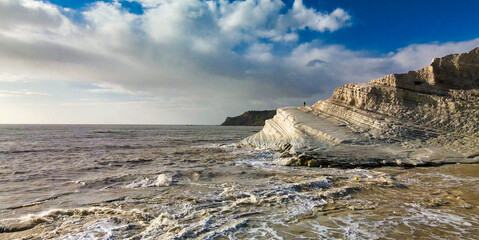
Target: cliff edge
424,117
250,118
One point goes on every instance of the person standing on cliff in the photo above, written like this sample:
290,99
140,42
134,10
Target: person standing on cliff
304,104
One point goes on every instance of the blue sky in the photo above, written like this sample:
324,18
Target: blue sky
195,61
380,26
385,26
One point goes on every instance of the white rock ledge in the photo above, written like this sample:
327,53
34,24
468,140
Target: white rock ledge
424,117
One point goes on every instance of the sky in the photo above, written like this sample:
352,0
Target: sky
198,61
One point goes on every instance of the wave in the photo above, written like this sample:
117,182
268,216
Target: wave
32,220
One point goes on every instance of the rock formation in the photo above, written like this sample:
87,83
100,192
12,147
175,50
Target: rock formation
249,118
424,117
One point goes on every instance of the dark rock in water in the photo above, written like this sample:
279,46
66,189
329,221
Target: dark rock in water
250,118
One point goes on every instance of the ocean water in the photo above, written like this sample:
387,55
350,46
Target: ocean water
194,182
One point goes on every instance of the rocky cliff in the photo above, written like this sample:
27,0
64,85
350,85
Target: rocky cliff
424,117
249,118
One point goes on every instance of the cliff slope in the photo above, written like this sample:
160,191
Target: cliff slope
424,117
249,118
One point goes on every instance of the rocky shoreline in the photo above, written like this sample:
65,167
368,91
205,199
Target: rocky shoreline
420,118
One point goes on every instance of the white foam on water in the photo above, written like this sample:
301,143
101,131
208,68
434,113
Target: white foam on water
215,214
230,146
353,228
225,212
321,231
259,159
250,158
229,210
161,180
138,183
79,223
226,229
437,217
450,180
253,163
99,230
416,218
263,231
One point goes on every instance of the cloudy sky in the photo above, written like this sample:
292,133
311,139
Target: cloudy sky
198,61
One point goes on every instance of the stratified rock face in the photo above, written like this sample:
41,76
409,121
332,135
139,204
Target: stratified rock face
428,116
249,118
455,71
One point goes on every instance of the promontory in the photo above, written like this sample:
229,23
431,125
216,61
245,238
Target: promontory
250,118
424,117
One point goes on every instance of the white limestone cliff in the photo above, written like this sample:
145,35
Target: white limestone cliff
428,116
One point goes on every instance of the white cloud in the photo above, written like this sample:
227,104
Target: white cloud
148,3
416,55
29,18
111,88
338,65
10,77
252,19
215,56
303,17
249,14
21,93
260,52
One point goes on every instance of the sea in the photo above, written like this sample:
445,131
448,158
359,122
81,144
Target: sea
196,182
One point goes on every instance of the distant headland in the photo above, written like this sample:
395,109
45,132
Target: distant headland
250,118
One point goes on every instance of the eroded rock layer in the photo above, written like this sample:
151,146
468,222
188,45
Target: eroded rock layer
428,116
